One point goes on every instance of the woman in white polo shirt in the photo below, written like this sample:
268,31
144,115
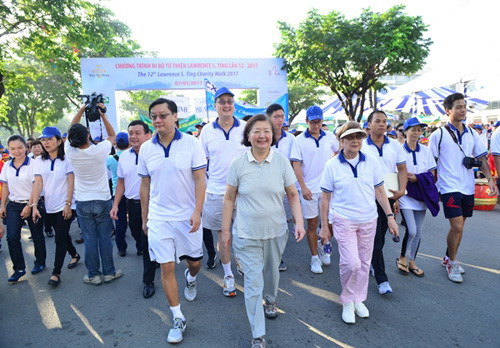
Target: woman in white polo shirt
419,160
17,179
257,182
350,183
54,175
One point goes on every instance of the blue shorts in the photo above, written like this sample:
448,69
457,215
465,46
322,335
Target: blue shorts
457,204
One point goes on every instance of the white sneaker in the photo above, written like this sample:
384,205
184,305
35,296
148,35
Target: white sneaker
228,288
325,259
454,273
444,263
110,277
348,313
361,310
384,288
190,289
175,333
95,280
316,265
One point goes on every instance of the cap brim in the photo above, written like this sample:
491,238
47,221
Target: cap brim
353,131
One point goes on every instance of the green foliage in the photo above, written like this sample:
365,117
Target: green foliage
249,96
54,35
302,95
349,56
139,101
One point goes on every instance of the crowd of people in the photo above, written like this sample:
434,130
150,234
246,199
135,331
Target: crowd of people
247,181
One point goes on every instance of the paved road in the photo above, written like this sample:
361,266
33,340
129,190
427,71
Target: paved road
422,312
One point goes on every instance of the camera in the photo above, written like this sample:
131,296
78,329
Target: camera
91,108
471,162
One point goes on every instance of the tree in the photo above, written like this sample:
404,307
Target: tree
349,56
249,96
138,103
55,35
302,95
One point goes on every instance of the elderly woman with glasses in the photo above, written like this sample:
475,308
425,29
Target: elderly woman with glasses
350,184
257,181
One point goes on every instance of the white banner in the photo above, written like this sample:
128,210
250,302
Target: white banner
182,105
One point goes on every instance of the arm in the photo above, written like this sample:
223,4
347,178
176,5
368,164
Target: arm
227,214
384,203
403,180
297,168
120,190
485,168
5,196
109,128
294,201
76,119
144,195
199,191
35,196
325,234
67,214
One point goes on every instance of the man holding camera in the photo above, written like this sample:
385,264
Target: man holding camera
457,150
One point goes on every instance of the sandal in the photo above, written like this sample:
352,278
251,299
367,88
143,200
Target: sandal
403,269
417,271
54,282
73,264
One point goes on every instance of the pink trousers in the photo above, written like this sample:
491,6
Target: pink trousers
355,242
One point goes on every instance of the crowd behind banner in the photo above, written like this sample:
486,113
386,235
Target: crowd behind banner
252,183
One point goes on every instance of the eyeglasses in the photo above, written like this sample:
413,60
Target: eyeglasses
400,130
353,136
279,117
316,122
224,102
260,132
162,116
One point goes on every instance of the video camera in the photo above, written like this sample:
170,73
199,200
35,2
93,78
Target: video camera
91,108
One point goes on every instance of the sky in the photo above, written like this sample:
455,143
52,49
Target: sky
463,31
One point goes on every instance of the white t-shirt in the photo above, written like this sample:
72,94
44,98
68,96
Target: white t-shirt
20,180
55,182
221,149
91,174
127,170
391,154
452,175
417,162
172,189
495,144
353,187
313,155
284,144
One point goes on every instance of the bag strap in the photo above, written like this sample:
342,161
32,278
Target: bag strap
116,157
454,137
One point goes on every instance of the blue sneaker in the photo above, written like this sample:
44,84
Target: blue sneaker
37,269
15,277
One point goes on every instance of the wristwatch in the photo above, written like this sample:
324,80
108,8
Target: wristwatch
389,215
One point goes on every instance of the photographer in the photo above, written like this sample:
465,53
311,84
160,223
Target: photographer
93,199
457,150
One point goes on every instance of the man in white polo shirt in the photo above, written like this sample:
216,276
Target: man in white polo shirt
283,145
392,159
221,141
310,152
172,167
128,186
455,147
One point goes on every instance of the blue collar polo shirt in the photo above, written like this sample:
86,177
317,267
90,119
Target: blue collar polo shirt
390,154
127,171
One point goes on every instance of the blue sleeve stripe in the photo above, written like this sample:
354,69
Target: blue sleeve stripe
295,160
482,155
495,153
143,175
38,174
380,184
3,181
326,190
399,163
121,177
200,167
433,168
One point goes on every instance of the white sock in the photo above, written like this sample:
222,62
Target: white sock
453,263
227,269
314,257
190,278
176,312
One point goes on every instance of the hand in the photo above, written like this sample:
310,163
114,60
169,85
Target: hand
325,234
114,213
396,194
300,232
493,188
145,227
3,213
101,108
2,230
306,193
195,222
225,240
26,212
67,213
393,226
412,177
36,214
396,208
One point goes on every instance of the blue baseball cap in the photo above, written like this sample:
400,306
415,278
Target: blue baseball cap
49,132
97,139
222,91
65,135
2,147
314,113
412,122
392,132
122,138
496,124
285,125
365,125
478,126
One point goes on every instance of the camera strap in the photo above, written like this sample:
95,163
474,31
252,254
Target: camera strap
454,137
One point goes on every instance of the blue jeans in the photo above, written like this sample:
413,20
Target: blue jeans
14,223
96,226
